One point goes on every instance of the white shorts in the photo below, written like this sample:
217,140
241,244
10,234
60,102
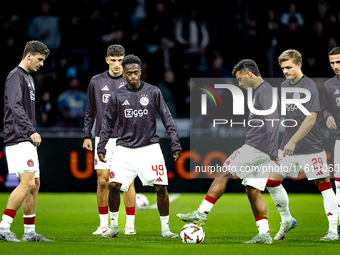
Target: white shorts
314,165
110,148
22,158
146,162
336,166
251,165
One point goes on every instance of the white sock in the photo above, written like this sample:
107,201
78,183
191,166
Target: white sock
114,218
6,221
29,226
104,219
262,226
331,209
165,222
280,198
207,204
337,187
130,220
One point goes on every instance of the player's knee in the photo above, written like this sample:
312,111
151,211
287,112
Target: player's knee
161,189
103,184
252,191
114,187
28,186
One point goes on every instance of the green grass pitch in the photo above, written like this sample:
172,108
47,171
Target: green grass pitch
70,218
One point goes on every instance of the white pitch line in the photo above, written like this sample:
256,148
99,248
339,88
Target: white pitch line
172,197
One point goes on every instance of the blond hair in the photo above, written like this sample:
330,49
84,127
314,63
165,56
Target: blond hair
290,54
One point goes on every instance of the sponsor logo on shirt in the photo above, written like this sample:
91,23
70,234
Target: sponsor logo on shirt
105,88
337,101
126,102
105,98
130,113
336,92
32,95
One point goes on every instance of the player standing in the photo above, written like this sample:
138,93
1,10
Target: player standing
21,140
260,149
138,151
301,148
331,113
99,91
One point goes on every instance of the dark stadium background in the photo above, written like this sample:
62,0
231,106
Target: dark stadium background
85,28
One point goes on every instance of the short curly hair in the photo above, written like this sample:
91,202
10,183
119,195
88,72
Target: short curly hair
246,65
36,47
115,50
131,59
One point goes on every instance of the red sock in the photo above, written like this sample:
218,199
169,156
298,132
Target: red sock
261,218
324,186
130,210
11,213
210,199
272,184
103,210
29,220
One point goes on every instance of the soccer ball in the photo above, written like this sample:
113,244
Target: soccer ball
142,202
192,233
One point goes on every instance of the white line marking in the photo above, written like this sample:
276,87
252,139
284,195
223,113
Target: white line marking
172,197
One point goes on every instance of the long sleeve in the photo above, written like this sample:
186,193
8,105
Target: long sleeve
108,123
14,96
168,122
272,130
326,106
90,112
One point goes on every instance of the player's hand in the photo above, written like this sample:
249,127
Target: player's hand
87,144
102,157
289,149
330,123
177,154
36,138
277,161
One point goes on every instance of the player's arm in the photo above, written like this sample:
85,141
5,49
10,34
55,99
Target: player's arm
13,92
90,114
305,127
108,123
168,123
327,111
272,125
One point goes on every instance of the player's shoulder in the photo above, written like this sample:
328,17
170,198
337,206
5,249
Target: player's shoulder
306,80
15,74
331,81
98,77
151,88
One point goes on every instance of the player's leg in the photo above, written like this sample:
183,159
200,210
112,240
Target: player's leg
337,175
15,200
102,200
230,167
114,202
130,208
29,208
281,201
279,194
331,208
259,209
163,209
